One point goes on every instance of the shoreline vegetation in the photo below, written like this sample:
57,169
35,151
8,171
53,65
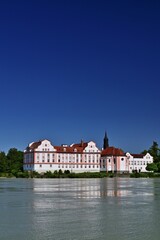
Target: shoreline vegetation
68,174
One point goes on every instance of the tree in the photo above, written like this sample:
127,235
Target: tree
152,167
15,160
3,162
155,152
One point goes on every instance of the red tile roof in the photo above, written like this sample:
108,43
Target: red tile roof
112,151
78,147
82,145
67,149
137,155
35,145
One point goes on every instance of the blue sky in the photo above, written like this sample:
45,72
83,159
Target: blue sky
69,70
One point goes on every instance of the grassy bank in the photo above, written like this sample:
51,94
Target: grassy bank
67,174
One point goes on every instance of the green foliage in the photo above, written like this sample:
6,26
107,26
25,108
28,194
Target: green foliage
152,167
66,171
60,172
3,162
15,160
155,153
158,166
68,174
12,163
144,175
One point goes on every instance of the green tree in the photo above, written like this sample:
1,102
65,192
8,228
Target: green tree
155,152
3,162
15,160
158,166
152,167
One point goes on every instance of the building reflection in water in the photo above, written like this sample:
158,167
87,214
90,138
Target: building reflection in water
64,207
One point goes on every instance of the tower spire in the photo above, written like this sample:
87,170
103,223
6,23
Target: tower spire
105,141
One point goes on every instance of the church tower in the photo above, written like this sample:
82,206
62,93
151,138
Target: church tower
105,141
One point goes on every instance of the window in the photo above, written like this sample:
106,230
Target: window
40,165
122,159
50,165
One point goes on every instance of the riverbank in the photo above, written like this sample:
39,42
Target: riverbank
68,174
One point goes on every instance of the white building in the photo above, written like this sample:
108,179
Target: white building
115,160
138,162
42,156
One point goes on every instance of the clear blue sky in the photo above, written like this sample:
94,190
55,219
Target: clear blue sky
69,70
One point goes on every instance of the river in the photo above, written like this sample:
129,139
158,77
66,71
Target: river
80,209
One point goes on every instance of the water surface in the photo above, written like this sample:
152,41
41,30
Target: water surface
80,209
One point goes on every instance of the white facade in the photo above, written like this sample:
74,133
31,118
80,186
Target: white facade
114,160
138,162
42,156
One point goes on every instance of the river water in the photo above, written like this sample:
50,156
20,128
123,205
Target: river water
80,209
